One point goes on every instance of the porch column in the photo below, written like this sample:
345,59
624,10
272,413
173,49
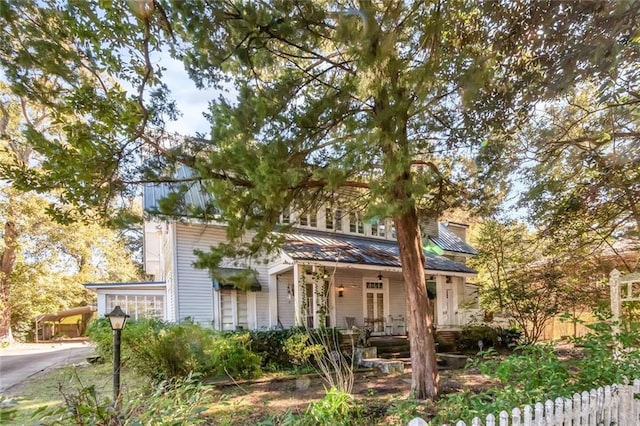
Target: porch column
297,296
316,305
273,300
252,312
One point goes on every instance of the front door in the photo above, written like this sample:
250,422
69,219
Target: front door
376,305
448,315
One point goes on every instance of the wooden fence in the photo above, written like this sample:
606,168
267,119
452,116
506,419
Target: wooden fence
612,405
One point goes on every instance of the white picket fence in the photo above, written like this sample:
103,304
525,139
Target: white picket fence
611,405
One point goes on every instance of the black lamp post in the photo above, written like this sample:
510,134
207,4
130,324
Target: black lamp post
117,320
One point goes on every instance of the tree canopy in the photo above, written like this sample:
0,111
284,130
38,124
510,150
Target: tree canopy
411,107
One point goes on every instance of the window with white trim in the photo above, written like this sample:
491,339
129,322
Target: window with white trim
355,223
137,305
378,227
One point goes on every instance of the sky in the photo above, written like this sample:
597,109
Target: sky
191,101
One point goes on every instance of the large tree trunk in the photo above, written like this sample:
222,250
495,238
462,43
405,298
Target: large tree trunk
424,370
7,261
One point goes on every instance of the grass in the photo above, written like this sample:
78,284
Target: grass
44,389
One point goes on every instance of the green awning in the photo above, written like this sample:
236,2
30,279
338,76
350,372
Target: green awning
235,279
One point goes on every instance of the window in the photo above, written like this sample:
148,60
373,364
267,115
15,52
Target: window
378,228
137,305
393,232
329,218
338,220
309,220
355,224
286,216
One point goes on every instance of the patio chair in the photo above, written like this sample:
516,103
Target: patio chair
350,322
389,326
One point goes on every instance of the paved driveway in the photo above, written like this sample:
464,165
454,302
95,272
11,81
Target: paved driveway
22,360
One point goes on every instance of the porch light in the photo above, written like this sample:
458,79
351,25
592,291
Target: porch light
448,279
289,293
341,290
380,276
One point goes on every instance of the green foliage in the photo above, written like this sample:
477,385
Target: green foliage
164,351
335,408
402,411
534,373
300,349
491,336
609,357
175,402
270,346
230,356
584,197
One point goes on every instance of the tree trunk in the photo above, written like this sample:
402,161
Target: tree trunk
424,370
7,261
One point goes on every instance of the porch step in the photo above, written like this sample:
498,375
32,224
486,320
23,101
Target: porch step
448,336
385,365
396,355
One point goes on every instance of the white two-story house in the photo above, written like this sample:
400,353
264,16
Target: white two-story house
333,268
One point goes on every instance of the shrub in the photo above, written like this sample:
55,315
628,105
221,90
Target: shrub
270,346
300,349
495,337
230,355
335,408
163,351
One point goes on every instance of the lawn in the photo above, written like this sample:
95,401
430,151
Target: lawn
44,389
267,400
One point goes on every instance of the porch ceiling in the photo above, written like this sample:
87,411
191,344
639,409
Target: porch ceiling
355,250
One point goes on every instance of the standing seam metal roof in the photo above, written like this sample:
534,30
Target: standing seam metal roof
449,241
364,251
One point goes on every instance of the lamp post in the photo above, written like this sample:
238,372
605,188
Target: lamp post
117,320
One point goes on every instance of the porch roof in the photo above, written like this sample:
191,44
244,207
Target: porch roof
357,250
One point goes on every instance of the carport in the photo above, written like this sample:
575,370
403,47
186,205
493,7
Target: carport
70,323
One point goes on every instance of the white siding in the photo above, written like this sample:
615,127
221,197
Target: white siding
285,306
262,306
195,291
351,304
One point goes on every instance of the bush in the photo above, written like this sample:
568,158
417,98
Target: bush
495,337
163,351
335,408
270,346
230,355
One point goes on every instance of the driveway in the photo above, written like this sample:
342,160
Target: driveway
22,360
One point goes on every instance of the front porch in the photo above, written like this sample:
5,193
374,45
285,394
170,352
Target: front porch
363,296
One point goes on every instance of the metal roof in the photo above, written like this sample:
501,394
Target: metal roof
193,193
449,241
356,250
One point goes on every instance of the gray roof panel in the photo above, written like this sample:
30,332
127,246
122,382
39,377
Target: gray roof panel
449,241
356,250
